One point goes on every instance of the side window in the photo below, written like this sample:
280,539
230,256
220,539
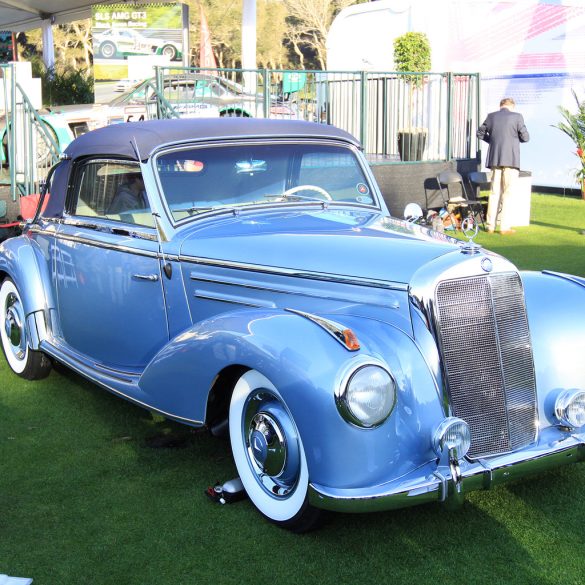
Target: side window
111,190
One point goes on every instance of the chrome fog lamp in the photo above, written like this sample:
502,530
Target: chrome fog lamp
452,435
368,396
570,408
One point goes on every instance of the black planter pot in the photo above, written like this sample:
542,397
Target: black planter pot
411,144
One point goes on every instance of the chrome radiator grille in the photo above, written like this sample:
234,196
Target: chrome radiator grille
486,349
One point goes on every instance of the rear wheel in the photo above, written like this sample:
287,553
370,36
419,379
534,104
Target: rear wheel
169,51
44,147
269,454
27,363
44,156
107,50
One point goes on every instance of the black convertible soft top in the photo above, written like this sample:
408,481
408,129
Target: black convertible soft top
117,140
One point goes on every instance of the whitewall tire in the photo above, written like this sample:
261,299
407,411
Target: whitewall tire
23,361
269,453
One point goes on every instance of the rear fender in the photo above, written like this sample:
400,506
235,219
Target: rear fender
22,260
61,128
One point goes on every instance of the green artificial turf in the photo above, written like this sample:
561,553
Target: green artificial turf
554,240
84,500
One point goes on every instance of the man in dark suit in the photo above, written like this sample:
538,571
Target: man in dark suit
503,131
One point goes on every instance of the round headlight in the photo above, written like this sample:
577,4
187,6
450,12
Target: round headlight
452,434
570,408
368,397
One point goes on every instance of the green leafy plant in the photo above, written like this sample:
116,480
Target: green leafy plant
412,58
64,84
412,54
573,125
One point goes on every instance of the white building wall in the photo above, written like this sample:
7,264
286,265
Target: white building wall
530,50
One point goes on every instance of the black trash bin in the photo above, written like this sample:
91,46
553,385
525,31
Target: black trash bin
411,143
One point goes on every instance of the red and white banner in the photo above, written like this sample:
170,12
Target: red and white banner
206,56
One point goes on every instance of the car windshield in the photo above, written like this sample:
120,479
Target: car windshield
200,179
179,87
136,93
232,86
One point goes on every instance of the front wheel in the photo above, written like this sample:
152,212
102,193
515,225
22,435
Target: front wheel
232,114
27,363
269,454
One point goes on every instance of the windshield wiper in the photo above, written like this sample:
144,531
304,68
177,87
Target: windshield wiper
195,209
296,197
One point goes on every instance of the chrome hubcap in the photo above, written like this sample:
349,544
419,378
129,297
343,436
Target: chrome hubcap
14,326
271,443
267,444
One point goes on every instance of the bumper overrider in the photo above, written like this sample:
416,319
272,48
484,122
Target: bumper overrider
448,479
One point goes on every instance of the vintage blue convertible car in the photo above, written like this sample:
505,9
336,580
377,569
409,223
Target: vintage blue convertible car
245,275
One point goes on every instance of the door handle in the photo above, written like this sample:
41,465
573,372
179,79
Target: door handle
149,277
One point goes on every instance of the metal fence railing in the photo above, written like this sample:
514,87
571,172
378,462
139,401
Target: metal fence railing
29,146
397,116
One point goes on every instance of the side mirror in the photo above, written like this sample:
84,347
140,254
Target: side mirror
413,212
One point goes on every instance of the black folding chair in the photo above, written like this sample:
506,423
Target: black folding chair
458,197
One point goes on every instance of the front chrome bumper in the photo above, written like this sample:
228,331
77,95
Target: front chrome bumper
436,483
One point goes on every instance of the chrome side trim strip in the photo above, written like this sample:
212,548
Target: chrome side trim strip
68,355
210,296
326,277
116,228
85,370
108,246
341,279
282,290
105,245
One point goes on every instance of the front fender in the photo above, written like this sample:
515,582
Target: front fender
23,261
555,306
285,347
306,364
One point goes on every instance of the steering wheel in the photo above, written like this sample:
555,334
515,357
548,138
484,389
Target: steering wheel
319,190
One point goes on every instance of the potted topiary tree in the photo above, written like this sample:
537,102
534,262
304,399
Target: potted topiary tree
574,127
412,55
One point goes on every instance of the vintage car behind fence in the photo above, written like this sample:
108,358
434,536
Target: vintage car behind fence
245,275
190,95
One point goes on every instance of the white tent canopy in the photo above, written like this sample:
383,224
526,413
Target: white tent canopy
23,15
